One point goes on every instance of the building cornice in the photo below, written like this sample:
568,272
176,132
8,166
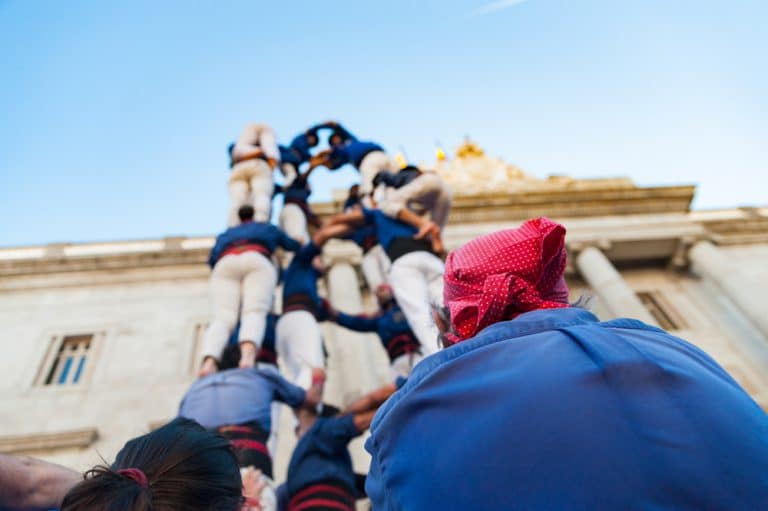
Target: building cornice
24,444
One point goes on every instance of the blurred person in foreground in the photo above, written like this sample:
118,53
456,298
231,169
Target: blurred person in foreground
320,475
535,404
179,466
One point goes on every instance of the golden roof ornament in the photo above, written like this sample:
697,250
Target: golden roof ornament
469,150
472,172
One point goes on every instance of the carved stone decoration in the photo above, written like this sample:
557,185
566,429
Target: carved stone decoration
472,172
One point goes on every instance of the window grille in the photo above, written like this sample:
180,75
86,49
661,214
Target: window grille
69,365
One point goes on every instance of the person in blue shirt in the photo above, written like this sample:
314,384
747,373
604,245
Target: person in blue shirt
298,151
413,245
296,214
392,327
299,340
267,356
242,283
320,475
534,404
237,402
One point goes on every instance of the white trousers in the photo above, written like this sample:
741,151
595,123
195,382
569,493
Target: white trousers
294,222
417,283
373,163
403,365
289,172
241,285
427,193
250,183
375,266
299,346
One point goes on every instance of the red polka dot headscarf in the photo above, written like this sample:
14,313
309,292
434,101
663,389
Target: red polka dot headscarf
501,275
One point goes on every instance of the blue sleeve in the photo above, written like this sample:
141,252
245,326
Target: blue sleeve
358,323
283,497
307,253
286,242
338,431
285,391
369,216
338,157
345,133
218,248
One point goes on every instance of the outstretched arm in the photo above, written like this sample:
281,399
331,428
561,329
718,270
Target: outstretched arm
321,236
371,401
427,228
354,217
29,483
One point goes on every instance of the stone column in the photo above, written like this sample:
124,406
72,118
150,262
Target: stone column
614,293
358,372
711,263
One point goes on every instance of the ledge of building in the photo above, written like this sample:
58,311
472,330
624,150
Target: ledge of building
516,204
23,444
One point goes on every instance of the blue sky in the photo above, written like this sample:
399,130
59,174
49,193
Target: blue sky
115,116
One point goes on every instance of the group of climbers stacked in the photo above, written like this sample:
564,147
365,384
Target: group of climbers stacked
261,349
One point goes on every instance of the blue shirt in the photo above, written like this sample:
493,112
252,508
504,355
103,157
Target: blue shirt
554,410
352,152
387,228
300,278
265,234
322,455
389,324
341,131
236,396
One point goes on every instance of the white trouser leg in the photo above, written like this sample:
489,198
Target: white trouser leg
373,163
403,365
258,286
262,187
294,223
375,266
417,283
275,418
299,345
225,297
238,197
289,172
427,193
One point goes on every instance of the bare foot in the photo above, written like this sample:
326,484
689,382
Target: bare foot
209,367
247,354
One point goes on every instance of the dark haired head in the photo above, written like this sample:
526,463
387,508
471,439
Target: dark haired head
335,138
312,138
245,213
186,468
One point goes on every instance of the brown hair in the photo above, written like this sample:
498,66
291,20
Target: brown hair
187,468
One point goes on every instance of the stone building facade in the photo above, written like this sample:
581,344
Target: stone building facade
101,339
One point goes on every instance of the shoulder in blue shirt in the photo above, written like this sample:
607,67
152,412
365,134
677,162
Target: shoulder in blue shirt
301,277
387,228
237,396
352,152
265,234
322,455
554,410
